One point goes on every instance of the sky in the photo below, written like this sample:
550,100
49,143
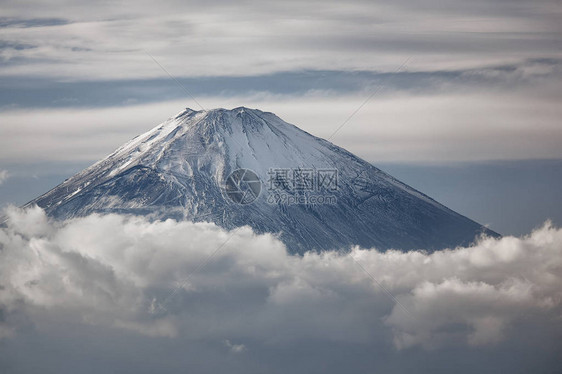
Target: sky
459,99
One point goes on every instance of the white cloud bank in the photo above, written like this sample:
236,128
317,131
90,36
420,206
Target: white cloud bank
128,276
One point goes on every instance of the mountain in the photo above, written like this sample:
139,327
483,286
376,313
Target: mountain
247,167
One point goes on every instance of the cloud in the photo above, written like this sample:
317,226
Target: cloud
200,38
4,175
26,92
235,348
459,126
108,275
32,22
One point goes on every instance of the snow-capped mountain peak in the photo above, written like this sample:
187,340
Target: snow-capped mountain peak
248,167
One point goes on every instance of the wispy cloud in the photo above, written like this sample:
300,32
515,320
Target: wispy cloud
113,272
4,175
396,127
25,92
31,22
200,39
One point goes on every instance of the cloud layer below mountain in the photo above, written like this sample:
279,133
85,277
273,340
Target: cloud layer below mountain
172,295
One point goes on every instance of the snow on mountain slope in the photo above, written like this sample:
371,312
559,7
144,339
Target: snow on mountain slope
179,170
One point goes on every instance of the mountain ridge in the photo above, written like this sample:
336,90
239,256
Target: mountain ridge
179,170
